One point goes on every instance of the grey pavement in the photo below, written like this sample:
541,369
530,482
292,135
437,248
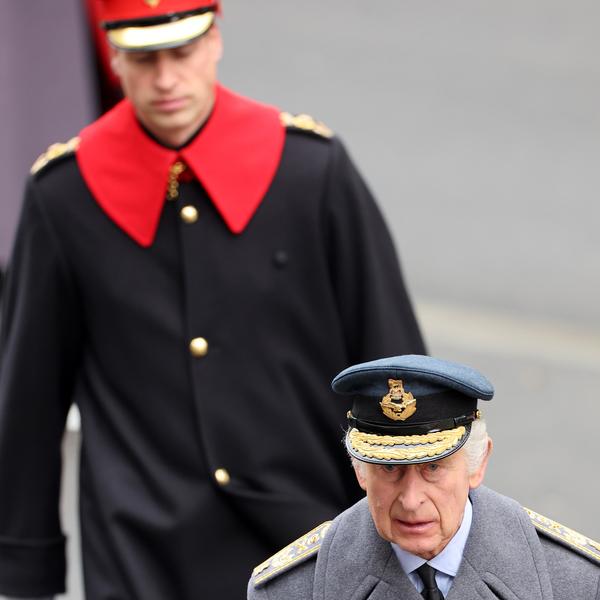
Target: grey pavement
477,126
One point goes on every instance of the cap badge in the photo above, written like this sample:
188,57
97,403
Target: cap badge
397,404
152,3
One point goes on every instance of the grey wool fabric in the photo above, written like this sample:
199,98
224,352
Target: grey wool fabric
505,558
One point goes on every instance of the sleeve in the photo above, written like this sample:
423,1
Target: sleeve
376,311
39,348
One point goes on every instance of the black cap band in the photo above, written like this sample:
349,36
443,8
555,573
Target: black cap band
416,429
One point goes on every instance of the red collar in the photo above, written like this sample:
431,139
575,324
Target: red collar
234,157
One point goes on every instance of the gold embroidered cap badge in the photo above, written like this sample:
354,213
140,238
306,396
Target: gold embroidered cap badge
152,3
397,404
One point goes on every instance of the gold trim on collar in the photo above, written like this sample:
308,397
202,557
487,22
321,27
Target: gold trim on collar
177,168
405,447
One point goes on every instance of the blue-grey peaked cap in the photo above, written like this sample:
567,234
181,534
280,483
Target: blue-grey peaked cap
426,374
410,408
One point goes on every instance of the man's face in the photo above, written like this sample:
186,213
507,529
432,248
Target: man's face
172,90
419,507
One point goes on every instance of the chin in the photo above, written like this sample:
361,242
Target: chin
426,549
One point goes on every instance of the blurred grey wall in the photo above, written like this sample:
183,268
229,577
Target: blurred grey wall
46,93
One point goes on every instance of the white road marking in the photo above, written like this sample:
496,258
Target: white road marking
495,332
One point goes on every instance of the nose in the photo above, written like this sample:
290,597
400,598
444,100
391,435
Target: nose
165,72
411,494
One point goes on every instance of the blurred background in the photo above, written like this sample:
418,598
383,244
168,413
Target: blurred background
477,127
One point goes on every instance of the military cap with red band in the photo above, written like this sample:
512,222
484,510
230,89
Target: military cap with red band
141,25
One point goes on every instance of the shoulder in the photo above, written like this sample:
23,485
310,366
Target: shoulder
573,559
316,146
292,556
555,533
303,123
311,150
499,510
54,154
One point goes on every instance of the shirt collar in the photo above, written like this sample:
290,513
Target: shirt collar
449,559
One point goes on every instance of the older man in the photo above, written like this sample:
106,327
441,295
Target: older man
427,528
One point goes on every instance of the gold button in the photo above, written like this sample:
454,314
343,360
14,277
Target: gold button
189,214
222,477
199,347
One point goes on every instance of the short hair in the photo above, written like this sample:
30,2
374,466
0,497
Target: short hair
475,447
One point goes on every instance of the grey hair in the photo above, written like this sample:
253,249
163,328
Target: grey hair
475,448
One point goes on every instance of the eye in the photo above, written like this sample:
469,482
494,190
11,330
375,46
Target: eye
390,470
432,471
185,50
141,58
182,52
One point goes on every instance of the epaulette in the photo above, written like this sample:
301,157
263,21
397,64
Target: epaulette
54,151
305,123
565,536
294,554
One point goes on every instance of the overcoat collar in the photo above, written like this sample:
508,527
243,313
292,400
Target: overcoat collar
235,157
355,563
503,558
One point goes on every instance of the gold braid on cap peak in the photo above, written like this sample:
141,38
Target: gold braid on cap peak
384,447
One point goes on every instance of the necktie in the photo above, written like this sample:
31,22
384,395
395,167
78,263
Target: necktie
431,590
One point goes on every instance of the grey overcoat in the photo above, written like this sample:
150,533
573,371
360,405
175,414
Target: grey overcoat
506,557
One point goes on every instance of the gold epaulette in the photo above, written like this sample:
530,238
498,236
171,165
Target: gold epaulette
54,151
572,539
305,123
293,554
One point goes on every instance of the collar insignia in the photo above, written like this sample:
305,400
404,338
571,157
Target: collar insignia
397,404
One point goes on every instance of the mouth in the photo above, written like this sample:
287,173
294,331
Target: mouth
168,105
413,527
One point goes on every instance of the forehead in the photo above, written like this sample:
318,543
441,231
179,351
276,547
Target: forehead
455,463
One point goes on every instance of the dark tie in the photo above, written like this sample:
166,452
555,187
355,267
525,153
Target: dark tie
431,591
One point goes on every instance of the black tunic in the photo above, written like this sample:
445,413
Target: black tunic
89,316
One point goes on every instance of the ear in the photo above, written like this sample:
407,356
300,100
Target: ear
216,42
476,478
359,471
115,61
